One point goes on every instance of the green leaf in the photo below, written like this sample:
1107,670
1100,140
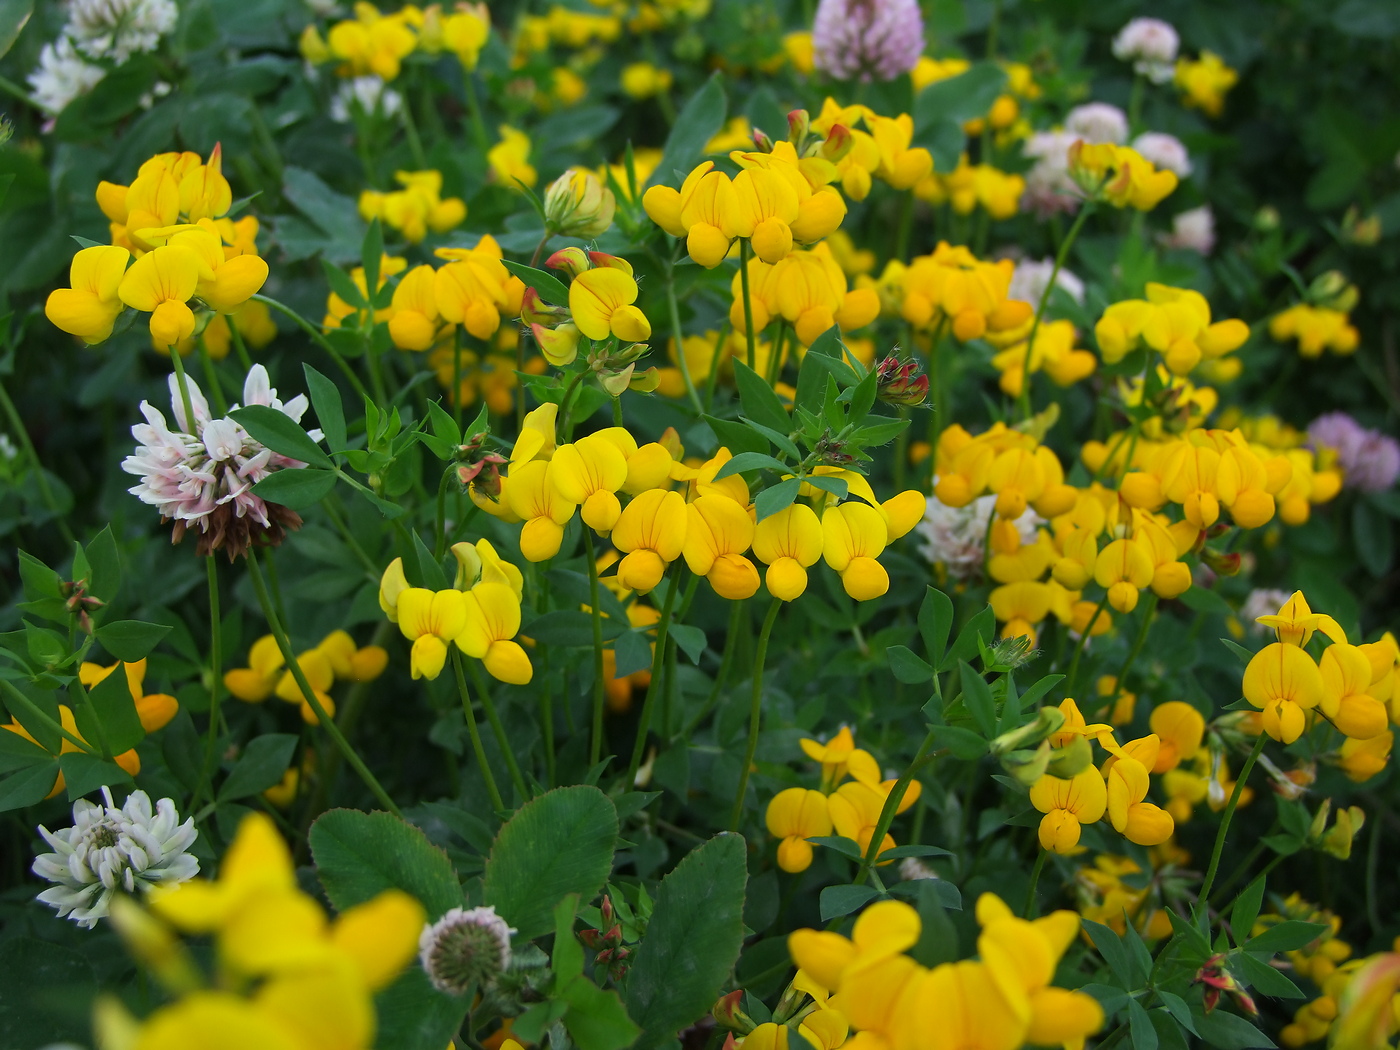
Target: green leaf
1176,1006
1144,1036
977,694
1246,909
29,786
959,99
567,960
554,845
963,743
690,640
697,123
737,437
907,667
411,1014
1286,936
343,286
846,847
1227,1031
1374,538
838,487
297,489
14,14
105,564
17,752
913,850
281,434
980,626
48,993
1138,951
84,773
330,410
938,939
863,397
1035,692
116,710
758,399
776,497
692,941
1264,979
935,622
1112,950
842,900
360,855
633,649
746,461
596,1019
1169,1033
551,289
778,437
569,627
1205,600
261,765
1244,654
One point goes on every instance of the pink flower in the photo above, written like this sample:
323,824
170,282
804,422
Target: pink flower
202,477
867,39
1371,459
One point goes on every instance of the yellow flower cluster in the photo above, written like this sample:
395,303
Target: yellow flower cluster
808,290
337,657
290,979
882,150
1205,81
1174,322
415,209
851,809
1317,328
969,186
952,286
1119,175
173,220
375,44
1110,891
480,613
1054,353
1000,1001
712,524
1291,689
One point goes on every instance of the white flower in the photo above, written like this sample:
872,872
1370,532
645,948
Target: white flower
954,536
1192,230
61,76
369,93
8,451
109,849
1030,279
1098,122
202,476
1165,151
118,29
465,948
1150,45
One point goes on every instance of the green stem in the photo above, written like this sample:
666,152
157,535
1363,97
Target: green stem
935,393
475,733
617,410
1225,819
1147,612
745,253
564,424
457,375
284,644
39,715
211,745
103,745
440,542
755,711
240,347
889,809
1028,912
483,143
216,388
1060,257
21,432
1135,104
684,365
595,746
184,387
906,223
498,729
736,614
547,720
319,339
658,657
410,129
1079,645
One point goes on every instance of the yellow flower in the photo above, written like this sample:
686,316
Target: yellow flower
853,537
90,306
1119,175
1316,328
765,206
702,211
1363,759
833,755
1205,82
1346,678
535,500
1067,804
789,543
1126,775
1295,623
161,283
1284,683
475,289
642,80
509,159
1124,568
590,472
416,208
154,709
1181,728
718,532
430,620
601,301
316,668
492,621
794,816
651,533
414,324
577,204
370,43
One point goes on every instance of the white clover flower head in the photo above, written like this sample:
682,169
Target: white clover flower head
912,869
201,476
1150,45
1049,187
867,39
954,536
109,849
369,93
1192,230
1262,601
1165,151
1098,122
118,29
1031,277
61,76
465,948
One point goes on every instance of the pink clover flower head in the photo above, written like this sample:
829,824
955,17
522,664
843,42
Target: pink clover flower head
1370,459
1098,122
867,39
1165,151
201,477
1150,45
1192,230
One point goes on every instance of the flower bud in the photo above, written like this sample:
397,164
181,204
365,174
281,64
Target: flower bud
468,565
559,345
534,310
1028,766
1319,821
1069,761
799,127
1337,842
464,949
1047,720
576,204
900,382
1332,292
728,1013
1221,564
1267,219
1356,230
839,141
762,141
572,261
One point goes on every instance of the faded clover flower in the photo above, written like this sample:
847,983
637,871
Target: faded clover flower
1098,122
867,39
1192,230
464,949
954,536
1029,281
109,849
202,477
1165,151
